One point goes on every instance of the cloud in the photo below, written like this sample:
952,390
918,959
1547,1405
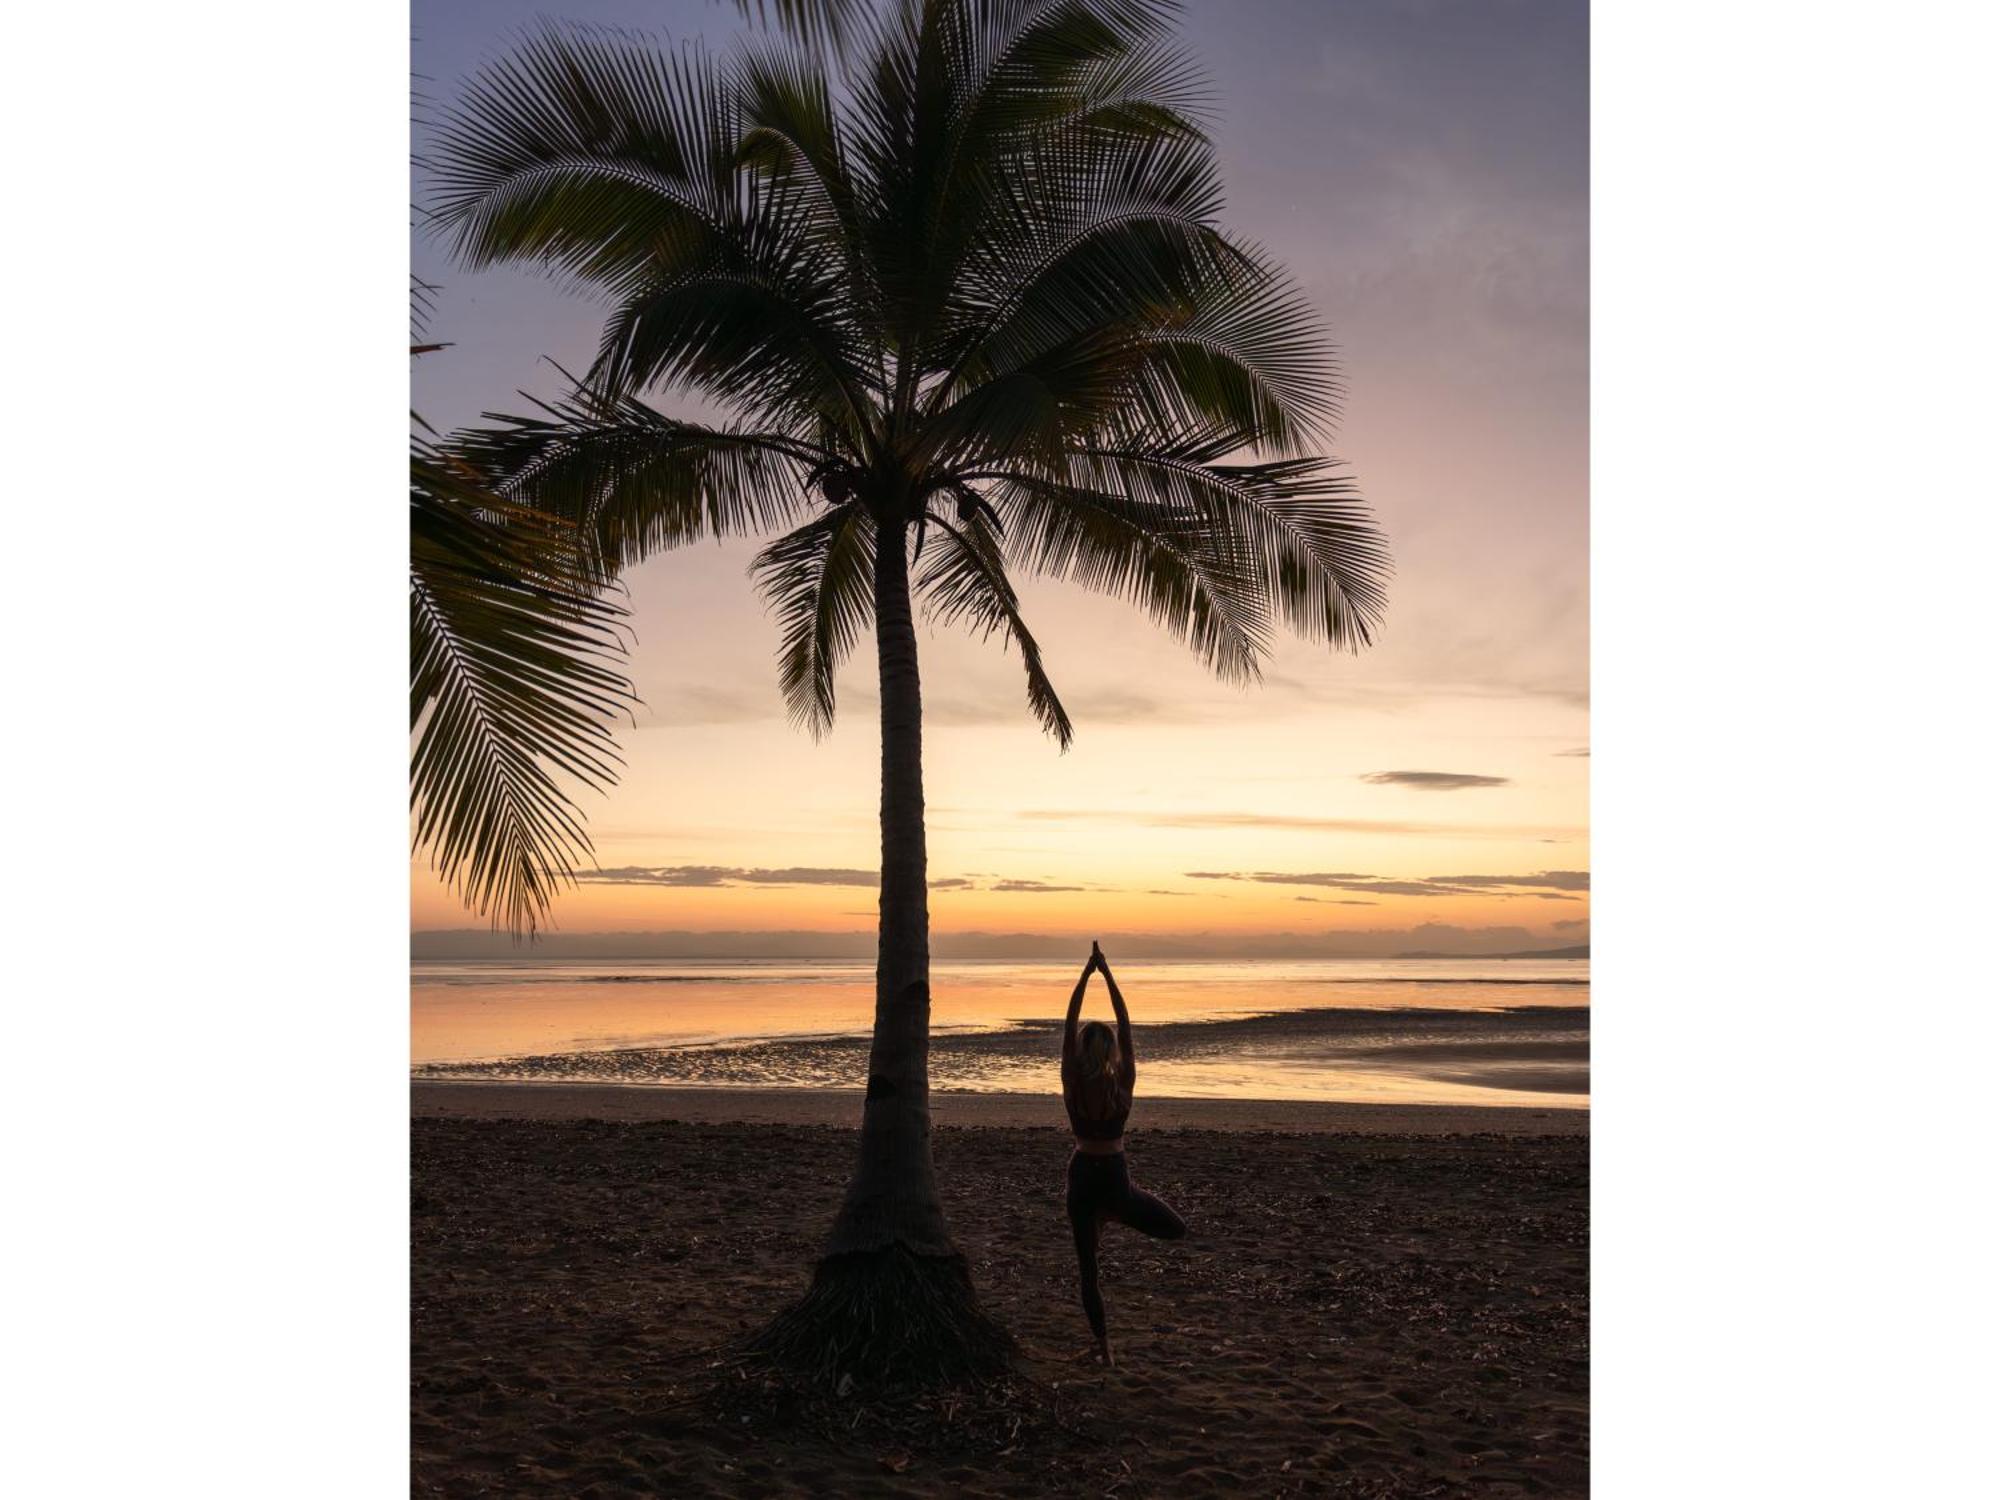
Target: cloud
1581,753
1282,821
809,876
1554,880
1379,887
1433,781
1568,924
1059,947
638,875
1337,900
1548,885
694,704
1011,885
722,875
1277,879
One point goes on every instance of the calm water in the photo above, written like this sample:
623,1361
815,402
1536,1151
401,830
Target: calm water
1449,1031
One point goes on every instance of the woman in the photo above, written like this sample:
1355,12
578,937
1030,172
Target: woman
1097,1077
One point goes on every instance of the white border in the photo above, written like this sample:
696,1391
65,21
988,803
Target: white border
1793,538
208,225
1793,506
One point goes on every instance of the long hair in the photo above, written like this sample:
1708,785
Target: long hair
1096,1072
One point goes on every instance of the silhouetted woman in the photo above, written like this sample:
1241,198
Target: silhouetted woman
1097,1076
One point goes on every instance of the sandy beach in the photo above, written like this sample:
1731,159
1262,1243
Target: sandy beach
842,1108
1374,1300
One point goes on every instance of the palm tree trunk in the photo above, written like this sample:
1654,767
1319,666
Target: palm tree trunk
891,1302
893,1199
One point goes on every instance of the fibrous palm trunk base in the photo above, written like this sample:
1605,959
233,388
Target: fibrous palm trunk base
886,1319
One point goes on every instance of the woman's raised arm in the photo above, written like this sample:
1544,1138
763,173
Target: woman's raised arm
1076,1006
1126,1065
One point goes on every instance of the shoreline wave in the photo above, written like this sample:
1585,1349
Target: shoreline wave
1541,1050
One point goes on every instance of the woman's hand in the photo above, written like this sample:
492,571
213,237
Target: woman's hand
1097,959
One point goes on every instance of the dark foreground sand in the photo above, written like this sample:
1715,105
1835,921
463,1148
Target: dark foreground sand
610,1101
1374,1302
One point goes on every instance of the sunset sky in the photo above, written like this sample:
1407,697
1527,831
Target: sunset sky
1422,169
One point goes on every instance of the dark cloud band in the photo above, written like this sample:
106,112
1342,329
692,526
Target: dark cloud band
1549,885
1434,781
722,875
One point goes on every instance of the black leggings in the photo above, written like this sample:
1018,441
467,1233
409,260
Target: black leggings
1100,1188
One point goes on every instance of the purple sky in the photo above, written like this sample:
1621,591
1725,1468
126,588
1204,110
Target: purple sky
1423,170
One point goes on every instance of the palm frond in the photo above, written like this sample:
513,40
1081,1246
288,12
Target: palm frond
513,686
1248,360
1152,321
636,481
1123,260
819,580
606,159
586,151
967,580
770,345
792,136
1298,526
423,305
1005,89
1193,584
829,24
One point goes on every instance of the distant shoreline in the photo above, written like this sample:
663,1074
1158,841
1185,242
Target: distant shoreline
515,1100
473,943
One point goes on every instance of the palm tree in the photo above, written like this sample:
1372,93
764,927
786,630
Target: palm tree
963,308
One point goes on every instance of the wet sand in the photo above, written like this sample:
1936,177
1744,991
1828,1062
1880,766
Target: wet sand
1374,1301
1430,1054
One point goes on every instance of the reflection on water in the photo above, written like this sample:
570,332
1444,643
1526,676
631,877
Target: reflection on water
1438,1031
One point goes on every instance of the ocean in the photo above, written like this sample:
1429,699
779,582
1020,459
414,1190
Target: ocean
1414,1031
